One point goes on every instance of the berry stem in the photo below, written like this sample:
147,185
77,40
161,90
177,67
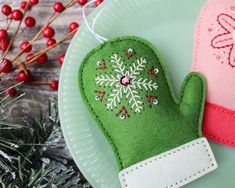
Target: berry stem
15,99
39,83
17,83
17,30
39,53
14,86
52,18
8,24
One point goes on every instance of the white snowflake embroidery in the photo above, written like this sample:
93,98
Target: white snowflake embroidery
126,83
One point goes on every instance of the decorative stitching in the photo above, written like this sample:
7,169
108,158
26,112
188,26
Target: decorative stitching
198,40
123,113
169,86
126,82
224,34
157,158
221,109
224,111
219,139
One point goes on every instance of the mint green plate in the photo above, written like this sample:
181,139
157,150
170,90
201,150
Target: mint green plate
168,24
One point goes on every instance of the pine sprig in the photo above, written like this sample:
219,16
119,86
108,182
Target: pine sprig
27,154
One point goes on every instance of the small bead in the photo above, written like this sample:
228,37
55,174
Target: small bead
126,80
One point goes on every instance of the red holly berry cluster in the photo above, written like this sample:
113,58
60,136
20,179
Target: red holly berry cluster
47,32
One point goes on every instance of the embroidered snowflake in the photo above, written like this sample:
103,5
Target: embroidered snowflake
126,83
227,38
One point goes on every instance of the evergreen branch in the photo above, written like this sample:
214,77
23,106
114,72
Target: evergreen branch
24,154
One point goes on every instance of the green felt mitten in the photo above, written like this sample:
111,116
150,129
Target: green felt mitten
157,138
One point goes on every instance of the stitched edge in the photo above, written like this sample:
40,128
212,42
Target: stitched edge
198,43
220,109
224,111
167,79
202,103
157,158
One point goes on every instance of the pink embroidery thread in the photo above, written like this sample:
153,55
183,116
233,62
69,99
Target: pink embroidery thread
102,93
220,41
103,66
150,98
123,110
153,71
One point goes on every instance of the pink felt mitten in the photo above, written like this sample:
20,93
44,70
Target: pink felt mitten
214,56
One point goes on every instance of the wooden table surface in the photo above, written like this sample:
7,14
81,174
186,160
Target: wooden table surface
37,97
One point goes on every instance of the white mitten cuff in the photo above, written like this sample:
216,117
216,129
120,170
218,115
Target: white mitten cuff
173,168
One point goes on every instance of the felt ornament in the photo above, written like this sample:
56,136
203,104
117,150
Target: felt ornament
214,56
156,138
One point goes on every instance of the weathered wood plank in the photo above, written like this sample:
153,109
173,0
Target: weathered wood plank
36,96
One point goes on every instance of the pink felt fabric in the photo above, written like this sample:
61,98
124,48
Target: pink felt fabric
214,56
221,131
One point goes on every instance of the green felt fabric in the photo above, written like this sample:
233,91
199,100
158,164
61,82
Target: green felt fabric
156,120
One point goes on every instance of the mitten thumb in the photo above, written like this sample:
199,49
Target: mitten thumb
193,95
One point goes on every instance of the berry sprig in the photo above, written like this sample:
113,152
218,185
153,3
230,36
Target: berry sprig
16,15
10,94
47,32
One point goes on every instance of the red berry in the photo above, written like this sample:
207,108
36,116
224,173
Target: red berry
26,46
59,7
5,66
61,59
98,2
48,32
51,42
3,34
23,5
6,10
30,22
23,76
17,15
54,85
42,59
33,2
11,92
82,2
4,44
28,56
73,26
